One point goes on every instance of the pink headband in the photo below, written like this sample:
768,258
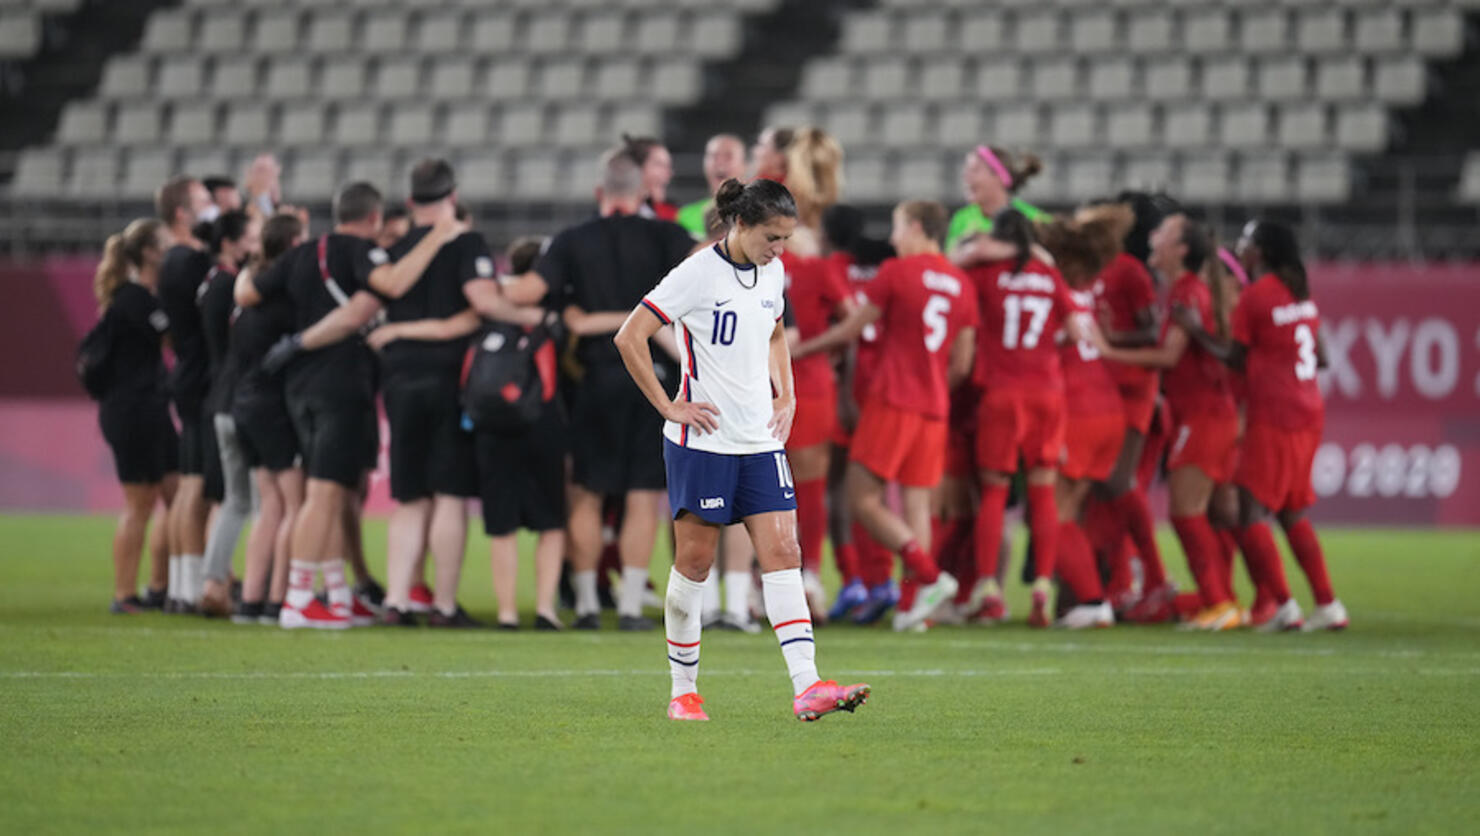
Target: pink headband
1233,266
995,164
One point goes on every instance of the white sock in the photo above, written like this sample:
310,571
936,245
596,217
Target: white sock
334,583
737,594
587,602
192,568
300,584
682,625
172,593
786,607
712,602
634,584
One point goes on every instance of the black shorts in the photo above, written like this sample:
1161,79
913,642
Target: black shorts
192,437
430,451
142,437
333,435
616,436
522,477
211,469
265,432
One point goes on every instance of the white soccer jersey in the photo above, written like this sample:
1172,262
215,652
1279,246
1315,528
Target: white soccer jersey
723,315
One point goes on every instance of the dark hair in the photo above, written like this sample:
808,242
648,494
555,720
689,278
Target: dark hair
356,201
783,137
230,226
173,196
217,181
1199,244
755,203
930,215
842,226
1013,226
278,234
524,252
640,146
1279,252
1150,210
395,212
431,180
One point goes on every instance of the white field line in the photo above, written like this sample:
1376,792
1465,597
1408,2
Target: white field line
570,673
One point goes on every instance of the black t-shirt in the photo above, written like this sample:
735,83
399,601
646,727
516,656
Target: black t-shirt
438,294
136,364
345,370
609,264
253,332
217,308
180,277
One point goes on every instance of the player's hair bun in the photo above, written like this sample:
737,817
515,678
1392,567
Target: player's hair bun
755,203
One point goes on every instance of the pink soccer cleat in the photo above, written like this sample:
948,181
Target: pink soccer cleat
687,707
827,696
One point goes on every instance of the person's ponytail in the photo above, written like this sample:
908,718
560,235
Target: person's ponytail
112,272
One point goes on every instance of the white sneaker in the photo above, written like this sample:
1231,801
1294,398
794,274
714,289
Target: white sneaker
948,614
710,618
1087,616
816,596
1287,617
1330,617
926,600
901,624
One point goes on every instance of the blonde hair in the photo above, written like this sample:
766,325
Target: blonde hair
814,172
122,255
1082,245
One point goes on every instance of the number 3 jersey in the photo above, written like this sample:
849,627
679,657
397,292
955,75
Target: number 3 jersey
1022,312
723,316
926,301
1280,333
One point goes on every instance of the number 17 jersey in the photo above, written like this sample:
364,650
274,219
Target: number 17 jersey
1022,312
724,315
926,301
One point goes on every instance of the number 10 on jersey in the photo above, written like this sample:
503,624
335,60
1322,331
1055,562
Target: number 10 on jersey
723,332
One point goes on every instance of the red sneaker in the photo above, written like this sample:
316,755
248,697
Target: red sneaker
1156,606
358,614
1038,616
1188,605
420,599
315,616
1262,612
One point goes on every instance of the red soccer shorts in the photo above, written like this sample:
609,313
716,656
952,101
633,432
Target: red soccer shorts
1031,423
815,422
900,446
1207,442
1139,403
1274,465
1092,444
961,454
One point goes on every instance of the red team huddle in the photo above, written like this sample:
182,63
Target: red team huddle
1046,346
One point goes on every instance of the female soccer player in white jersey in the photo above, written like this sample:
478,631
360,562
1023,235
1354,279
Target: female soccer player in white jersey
723,440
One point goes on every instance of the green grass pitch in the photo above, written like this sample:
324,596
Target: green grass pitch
168,724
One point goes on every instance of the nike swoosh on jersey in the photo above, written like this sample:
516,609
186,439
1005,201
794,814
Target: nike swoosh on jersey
722,304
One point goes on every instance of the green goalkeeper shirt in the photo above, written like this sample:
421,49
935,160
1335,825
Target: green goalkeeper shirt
970,220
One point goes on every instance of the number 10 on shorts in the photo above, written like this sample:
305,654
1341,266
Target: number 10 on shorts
783,472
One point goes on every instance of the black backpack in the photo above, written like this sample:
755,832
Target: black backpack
94,358
508,376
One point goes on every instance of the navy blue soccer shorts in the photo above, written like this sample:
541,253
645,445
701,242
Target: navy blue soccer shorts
723,489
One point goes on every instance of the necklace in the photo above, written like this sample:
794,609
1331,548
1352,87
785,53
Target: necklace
736,270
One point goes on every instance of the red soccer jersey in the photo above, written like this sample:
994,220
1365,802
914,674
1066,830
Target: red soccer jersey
1198,384
1021,315
814,291
857,278
1125,289
926,302
1088,387
1280,335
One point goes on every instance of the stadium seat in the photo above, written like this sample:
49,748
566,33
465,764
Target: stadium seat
1362,127
1341,78
384,32
1149,32
673,82
869,177
1017,124
577,125
398,78
1147,171
715,35
1112,79
562,79
958,127
126,77
467,126
1244,125
372,166
492,32
1302,125
507,80
635,119
1225,78
330,31
1264,31
851,123
886,79
604,33
247,123
480,175
522,125
905,125
1281,78
1469,179
1037,31
1130,126
867,34
452,78
169,32
827,79
924,177
999,80
982,32
1321,30
791,113
1400,80
235,77
357,125
1075,125
1205,178
193,123
312,175
1323,178
302,123
205,162
928,33
1379,30
288,77
137,124
942,79
147,168
277,31
38,173
548,34
440,33
94,173
1188,125
1438,32
1263,177
1087,175
1093,31
1168,79
1054,79
342,77
1206,31
535,175
222,31
412,125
